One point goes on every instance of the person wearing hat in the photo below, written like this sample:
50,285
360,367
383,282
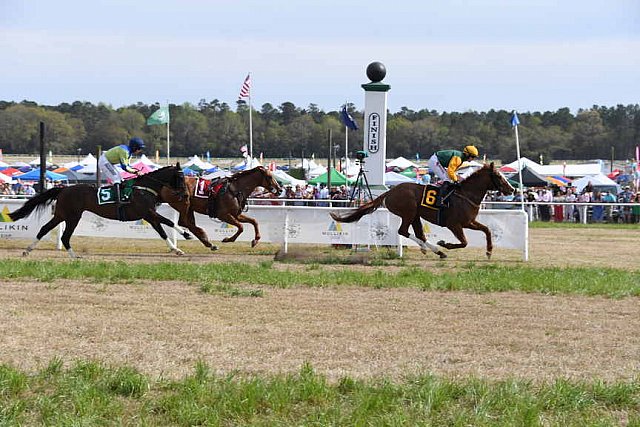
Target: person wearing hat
121,155
445,163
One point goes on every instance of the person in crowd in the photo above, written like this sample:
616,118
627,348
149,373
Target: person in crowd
625,196
323,194
545,196
597,212
121,155
572,213
445,163
635,209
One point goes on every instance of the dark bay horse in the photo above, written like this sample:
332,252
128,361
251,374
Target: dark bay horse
229,203
405,200
72,201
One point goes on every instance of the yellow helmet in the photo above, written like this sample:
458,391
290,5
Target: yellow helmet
470,151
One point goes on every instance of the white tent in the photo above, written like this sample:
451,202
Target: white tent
524,162
570,170
600,182
36,162
3,164
395,178
287,179
144,159
4,178
195,160
89,159
401,163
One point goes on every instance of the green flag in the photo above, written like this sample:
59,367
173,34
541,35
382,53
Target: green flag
159,117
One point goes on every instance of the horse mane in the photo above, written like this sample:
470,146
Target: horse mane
477,174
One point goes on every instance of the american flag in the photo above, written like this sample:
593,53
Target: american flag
245,91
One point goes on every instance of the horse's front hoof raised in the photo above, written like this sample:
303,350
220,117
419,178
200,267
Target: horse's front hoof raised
187,236
226,240
254,243
441,243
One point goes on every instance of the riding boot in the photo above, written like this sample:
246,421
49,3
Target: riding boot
119,208
443,195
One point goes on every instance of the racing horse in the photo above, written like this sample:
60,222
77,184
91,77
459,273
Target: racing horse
411,202
229,203
72,201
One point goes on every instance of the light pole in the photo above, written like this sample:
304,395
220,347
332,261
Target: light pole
79,150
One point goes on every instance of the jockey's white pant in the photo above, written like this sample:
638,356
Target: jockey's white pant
108,171
438,169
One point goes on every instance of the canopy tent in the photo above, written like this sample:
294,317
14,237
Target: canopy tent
144,159
531,178
34,175
599,182
524,162
410,172
69,173
18,164
5,179
36,162
3,164
187,171
198,165
468,168
395,178
560,181
9,171
284,178
336,178
401,163
141,167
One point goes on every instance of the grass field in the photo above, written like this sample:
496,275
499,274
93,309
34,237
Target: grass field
132,336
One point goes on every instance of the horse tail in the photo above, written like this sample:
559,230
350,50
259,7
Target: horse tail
363,210
36,203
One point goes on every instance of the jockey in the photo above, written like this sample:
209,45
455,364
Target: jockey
445,163
121,155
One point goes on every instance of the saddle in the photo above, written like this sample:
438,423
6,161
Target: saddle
215,189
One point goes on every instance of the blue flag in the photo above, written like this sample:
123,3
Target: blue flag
347,119
514,120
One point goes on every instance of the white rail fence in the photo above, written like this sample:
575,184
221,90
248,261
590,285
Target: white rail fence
287,225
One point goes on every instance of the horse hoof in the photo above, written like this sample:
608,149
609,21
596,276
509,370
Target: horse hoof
254,243
214,248
442,255
423,250
25,253
179,252
441,243
488,255
225,240
187,236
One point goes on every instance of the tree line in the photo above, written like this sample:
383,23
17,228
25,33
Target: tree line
599,132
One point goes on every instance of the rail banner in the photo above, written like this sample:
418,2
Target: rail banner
26,228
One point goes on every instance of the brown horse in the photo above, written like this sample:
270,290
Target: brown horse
229,203
72,201
406,201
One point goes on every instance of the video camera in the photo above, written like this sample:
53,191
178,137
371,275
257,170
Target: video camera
361,155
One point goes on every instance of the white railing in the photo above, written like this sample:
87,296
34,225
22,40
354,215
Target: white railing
295,224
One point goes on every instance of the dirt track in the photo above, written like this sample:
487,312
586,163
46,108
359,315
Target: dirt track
164,328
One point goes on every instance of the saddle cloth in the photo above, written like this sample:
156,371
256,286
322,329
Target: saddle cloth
107,195
205,188
430,196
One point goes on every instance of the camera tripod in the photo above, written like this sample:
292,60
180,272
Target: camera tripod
361,190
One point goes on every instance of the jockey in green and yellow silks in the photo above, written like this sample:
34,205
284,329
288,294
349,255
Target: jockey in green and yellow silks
445,163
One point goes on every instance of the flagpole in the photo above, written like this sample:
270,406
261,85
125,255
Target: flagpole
515,122
250,130
346,148
168,120
515,127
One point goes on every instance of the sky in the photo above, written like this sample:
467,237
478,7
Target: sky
444,55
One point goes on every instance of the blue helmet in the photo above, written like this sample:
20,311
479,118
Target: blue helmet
136,144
